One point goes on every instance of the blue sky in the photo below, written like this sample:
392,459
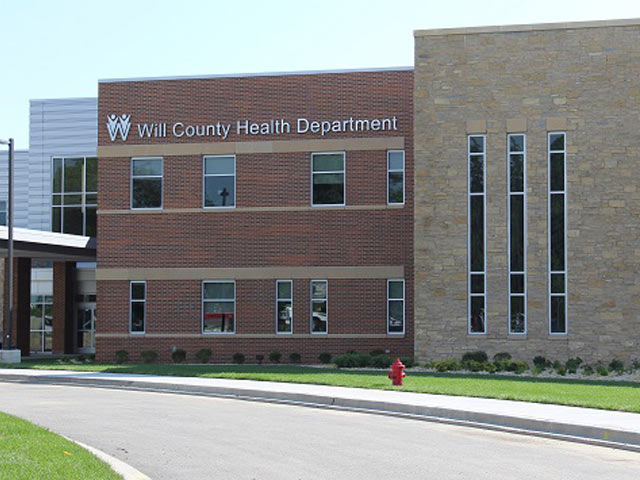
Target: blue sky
55,49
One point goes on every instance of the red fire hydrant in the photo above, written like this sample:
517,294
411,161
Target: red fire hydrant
397,372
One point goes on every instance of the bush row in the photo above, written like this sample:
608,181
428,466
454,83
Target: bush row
478,361
375,359
179,355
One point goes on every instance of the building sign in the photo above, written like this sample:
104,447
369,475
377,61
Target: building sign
120,126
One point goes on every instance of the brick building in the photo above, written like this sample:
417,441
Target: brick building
254,214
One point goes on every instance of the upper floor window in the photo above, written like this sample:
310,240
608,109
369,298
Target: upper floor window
476,154
146,182
557,156
327,179
395,177
74,195
220,181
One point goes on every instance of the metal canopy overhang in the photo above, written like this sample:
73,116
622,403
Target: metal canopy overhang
48,245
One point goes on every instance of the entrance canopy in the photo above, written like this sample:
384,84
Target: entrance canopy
53,246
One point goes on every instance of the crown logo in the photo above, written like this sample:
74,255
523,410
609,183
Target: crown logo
118,125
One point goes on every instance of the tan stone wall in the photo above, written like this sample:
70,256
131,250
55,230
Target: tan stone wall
587,79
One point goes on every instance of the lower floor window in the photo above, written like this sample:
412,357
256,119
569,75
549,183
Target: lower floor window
395,306
218,307
41,323
284,295
319,303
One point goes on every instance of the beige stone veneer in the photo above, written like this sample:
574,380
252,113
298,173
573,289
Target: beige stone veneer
580,78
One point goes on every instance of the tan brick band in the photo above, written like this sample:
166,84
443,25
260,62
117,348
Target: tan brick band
249,273
302,208
248,335
269,146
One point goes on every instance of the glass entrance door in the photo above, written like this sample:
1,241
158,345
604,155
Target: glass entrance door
86,327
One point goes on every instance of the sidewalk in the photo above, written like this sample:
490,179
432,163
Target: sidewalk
599,427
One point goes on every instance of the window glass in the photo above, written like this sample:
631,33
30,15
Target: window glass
476,144
517,283
218,317
395,177
517,172
73,174
516,237
137,316
92,174
558,320
219,165
72,220
556,141
557,232
319,318
147,192
517,320
476,171
219,191
219,291
328,162
396,160
477,283
319,289
328,188
138,291
477,233
57,175
147,167
477,315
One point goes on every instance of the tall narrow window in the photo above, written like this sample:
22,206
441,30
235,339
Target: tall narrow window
327,182
41,323
557,234
395,177
319,310
477,240
395,306
74,195
218,307
146,183
3,212
517,220
220,181
284,306
138,307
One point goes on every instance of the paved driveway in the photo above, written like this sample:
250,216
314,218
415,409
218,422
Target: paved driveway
169,436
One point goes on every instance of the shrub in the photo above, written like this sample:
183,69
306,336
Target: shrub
352,360
275,356
203,355
541,362
635,365
602,370
501,357
587,370
90,357
325,358
179,355
516,366
616,366
573,364
381,361
375,353
472,365
447,365
122,356
238,358
149,356
537,370
409,362
478,356
295,357
489,367
259,359
561,370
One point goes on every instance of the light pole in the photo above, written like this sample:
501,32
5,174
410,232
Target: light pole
6,345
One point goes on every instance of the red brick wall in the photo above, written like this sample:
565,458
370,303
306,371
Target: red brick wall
244,239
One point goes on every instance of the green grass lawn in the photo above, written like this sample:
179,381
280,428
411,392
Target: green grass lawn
29,452
584,393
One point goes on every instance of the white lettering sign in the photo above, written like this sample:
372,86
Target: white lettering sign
119,125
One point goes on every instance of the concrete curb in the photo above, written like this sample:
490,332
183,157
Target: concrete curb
542,427
127,471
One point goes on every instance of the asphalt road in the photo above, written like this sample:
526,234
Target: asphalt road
169,436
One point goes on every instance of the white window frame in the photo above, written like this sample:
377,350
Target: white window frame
484,232
283,299
404,305
132,301
565,271
4,209
404,176
204,182
523,194
311,300
161,177
202,302
344,175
